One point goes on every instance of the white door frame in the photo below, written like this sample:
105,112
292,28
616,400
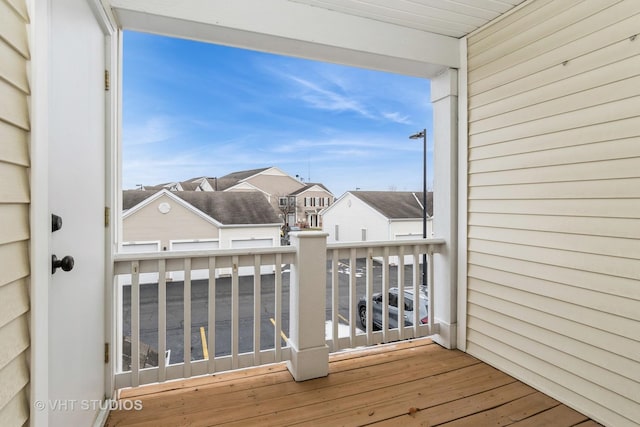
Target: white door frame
40,216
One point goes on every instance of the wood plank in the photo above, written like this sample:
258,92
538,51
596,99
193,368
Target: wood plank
560,415
508,413
459,383
432,381
234,396
400,413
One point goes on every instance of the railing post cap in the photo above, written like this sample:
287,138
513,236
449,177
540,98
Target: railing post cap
308,234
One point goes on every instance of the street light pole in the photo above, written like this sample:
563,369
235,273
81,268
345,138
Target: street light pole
423,134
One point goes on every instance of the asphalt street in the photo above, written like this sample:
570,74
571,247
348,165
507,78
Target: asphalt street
199,310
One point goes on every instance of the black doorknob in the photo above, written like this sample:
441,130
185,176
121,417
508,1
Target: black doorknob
66,263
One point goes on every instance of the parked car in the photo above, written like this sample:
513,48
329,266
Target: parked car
409,305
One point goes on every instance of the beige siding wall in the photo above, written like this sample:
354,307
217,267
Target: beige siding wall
554,202
179,223
14,213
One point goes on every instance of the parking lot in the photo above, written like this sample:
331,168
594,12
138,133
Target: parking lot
199,310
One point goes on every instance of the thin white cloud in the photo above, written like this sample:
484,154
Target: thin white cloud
397,118
149,131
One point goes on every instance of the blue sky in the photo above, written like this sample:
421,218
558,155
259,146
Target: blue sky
194,109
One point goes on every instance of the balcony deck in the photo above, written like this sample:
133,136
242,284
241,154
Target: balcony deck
409,383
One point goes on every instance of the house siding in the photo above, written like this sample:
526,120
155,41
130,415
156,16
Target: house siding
179,223
14,211
554,202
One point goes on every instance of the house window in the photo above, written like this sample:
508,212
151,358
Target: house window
292,201
282,201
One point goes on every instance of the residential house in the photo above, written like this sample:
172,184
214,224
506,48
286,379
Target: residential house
197,220
360,216
310,200
536,200
296,202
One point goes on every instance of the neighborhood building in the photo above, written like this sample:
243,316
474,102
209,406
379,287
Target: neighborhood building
296,202
359,216
196,220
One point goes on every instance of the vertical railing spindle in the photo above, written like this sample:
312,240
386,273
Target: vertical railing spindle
135,324
257,283
430,289
278,308
369,297
211,316
417,277
187,318
353,301
235,312
401,292
162,319
335,300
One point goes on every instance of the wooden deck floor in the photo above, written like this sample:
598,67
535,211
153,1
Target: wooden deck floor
409,383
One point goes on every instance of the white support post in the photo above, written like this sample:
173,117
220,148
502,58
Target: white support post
309,352
444,98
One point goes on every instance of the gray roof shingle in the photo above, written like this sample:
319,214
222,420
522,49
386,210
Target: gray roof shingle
228,208
396,204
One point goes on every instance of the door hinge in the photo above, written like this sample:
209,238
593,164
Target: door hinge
106,80
106,352
107,215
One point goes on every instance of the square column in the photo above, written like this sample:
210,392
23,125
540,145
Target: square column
444,98
307,307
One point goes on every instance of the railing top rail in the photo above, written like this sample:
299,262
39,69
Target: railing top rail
385,243
150,256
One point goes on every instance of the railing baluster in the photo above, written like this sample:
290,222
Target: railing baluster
353,302
430,288
187,318
417,277
385,294
211,316
335,301
401,292
235,312
369,296
135,324
257,283
162,319
278,308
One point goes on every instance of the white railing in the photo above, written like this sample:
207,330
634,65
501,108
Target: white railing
238,320
387,256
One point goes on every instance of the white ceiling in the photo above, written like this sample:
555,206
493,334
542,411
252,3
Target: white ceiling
455,18
412,37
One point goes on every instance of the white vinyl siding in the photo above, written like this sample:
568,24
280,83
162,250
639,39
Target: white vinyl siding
14,211
554,202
